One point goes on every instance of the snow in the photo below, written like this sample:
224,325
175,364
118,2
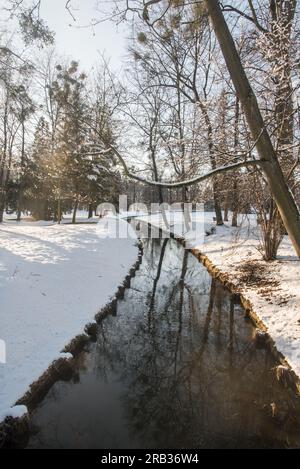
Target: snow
81,217
53,280
278,306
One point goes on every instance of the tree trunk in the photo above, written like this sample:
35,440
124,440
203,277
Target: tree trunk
59,211
75,211
21,188
213,162
160,195
90,215
2,206
235,205
46,211
155,173
19,210
271,168
226,211
235,193
3,156
283,14
218,210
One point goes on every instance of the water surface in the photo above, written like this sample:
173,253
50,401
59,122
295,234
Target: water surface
176,367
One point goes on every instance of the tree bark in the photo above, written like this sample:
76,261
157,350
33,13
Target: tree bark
226,209
21,188
155,172
283,14
271,168
2,205
3,156
75,211
235,193
213,162
234,221
59,214
90,211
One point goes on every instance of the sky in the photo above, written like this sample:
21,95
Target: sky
84,43
81,43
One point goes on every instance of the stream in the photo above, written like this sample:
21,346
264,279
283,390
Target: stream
176,367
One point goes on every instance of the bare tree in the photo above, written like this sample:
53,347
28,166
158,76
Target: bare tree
267,153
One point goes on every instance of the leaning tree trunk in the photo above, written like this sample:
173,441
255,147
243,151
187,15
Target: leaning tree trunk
271,168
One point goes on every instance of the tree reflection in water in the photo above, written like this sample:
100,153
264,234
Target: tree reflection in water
176,368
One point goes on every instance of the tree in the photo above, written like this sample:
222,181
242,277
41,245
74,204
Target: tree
68,90
272,26
40,190
25,108
271,167
17,106
268,158
178,53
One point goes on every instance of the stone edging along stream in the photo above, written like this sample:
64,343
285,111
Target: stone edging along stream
12,429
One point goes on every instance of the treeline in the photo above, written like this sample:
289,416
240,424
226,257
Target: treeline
172,114
50,157
193,115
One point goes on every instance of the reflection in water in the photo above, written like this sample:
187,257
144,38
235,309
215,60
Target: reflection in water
176,368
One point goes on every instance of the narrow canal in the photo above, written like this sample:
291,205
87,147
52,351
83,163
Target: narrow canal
176,367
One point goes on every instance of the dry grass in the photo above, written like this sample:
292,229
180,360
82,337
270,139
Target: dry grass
256,274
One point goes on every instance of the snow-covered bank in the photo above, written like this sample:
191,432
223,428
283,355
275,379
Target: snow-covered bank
53,280
273,288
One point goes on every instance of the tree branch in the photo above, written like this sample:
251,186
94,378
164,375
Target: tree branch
253,19
68,7
189,182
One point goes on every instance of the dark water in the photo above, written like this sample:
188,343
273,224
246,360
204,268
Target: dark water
176,368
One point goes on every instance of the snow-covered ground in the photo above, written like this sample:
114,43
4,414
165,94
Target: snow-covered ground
53,280
81,217
272,287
